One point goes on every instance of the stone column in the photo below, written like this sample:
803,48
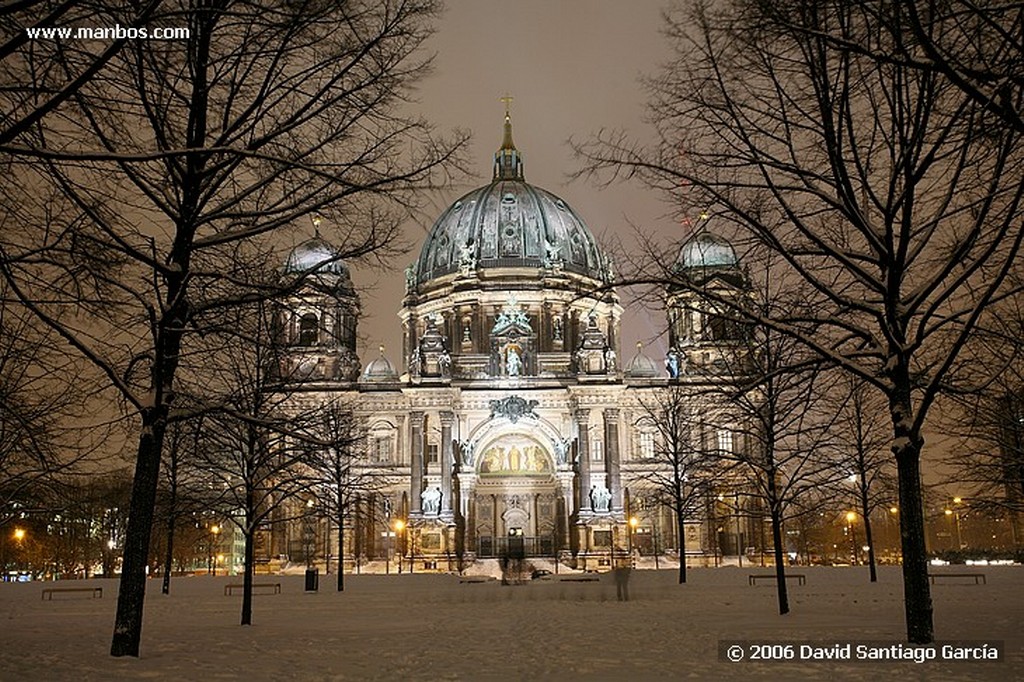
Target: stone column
611,456
582,417
447,418
416,463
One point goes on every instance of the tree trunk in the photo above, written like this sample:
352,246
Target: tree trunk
250,563
132,590
171,521
682,544
780,565
917,599
341,549
865,512
169,555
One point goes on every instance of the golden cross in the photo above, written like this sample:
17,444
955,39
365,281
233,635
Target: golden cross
507,99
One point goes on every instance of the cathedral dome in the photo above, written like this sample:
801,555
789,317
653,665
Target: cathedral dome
706,250
509,223
315,256
641,366
380,369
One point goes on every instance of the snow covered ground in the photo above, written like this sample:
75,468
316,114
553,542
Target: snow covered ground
432,627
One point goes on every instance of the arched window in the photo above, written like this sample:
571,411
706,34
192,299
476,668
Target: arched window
382,442
309,330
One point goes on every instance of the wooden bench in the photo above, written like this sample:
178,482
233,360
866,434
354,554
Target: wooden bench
229,589
979,578
800,579
95,592
585,578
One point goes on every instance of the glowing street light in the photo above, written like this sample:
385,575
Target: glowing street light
19,534
633,523
214,533
850,518
399,527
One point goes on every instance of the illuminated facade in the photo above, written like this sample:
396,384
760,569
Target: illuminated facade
512,423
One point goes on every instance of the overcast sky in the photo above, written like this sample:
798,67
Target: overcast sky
572,67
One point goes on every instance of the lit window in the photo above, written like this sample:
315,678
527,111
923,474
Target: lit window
647,444
725,440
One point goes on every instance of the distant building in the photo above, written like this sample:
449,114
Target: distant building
512,422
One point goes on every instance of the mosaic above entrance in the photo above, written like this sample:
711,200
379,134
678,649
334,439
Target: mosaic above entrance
515,457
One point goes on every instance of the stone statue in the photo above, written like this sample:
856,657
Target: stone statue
513,363
444,362
467,261
672,362
552,254
410,279
414,363
600,499
431,499
557,331
466,449
562,448
609,359
609,269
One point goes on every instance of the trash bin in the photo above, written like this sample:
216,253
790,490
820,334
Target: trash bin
312,579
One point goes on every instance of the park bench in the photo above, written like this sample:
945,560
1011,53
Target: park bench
800,578
95,592
979,578
229,589
584,578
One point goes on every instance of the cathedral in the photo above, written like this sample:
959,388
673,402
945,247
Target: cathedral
512,424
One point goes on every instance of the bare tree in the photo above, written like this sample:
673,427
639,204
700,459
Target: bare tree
181,491
987,415
885,188
678,469
45,432
860,439
43,67
252,452
340,471
149,176
978,45
773,387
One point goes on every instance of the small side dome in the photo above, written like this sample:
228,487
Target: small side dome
315,256
706,250
641,366
380,369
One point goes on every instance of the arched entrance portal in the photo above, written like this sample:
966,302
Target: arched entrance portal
517,498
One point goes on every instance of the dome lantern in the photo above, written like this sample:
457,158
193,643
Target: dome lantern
508,162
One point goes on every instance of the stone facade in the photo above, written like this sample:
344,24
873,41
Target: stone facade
513,425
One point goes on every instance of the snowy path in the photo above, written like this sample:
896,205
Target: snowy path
430,627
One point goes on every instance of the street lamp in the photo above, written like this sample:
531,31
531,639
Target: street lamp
633,522
956,516
850,518
897,543
214,533
19,535
399,527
